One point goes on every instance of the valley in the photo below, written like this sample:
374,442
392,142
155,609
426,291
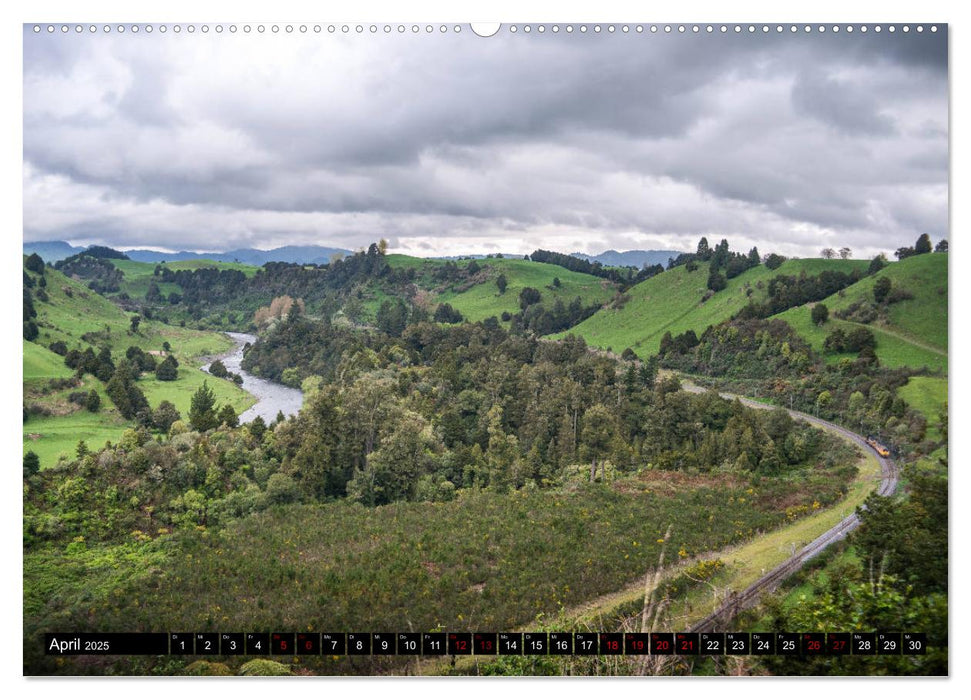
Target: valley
455,464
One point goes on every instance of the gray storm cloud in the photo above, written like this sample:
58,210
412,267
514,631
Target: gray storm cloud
453,143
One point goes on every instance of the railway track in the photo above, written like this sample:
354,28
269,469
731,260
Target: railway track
770,581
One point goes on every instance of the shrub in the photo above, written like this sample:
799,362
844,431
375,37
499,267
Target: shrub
264,667
218,369
881,289
820,314
209,668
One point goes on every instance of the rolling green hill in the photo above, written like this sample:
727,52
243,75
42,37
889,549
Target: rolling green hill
675,301
913,332
481,299
72,311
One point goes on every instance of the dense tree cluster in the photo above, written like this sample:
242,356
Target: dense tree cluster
451,407
541,319
94,266
312,347
766,358
858,339
819,314
787,291
627,276
392,317
141,359
724,263
745,348
859,312
446,314
207,292
218,369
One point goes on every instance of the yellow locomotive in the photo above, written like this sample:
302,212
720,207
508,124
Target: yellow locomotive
881,450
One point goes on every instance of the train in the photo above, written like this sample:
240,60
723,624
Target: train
880,449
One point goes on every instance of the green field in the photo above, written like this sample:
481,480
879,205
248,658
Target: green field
674,301
134,269
72,311
190,379
57,436
917,334
54,436
927,395
483,300
42,364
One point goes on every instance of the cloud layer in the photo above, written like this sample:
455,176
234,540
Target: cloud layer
452,143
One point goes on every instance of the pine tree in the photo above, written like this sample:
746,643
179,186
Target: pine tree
31,463
202,415
227,416
167,370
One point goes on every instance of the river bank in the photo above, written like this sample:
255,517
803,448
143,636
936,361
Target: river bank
271,398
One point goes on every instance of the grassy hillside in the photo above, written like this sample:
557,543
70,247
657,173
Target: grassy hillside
674,301
73,310
914,331
892,350
41,364
481,300
928,396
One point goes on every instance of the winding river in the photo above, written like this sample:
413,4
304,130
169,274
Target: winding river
271,398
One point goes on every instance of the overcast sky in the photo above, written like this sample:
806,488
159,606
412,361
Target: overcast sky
451,143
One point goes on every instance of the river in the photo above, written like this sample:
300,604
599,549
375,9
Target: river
271,398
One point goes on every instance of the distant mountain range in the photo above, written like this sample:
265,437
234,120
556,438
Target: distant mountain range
52,251
631,258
